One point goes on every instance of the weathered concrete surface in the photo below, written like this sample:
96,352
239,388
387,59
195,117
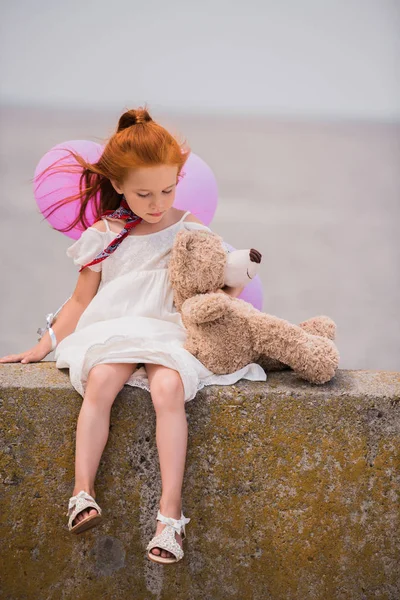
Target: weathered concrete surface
292,490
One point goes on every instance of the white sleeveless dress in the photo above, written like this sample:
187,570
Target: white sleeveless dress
132,317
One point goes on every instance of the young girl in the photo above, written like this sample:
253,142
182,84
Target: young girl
120,325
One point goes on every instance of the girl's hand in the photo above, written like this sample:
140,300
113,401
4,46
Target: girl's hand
35,354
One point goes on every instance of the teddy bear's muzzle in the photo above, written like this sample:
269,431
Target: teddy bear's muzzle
241,266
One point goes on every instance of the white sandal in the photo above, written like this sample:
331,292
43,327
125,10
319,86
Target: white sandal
166,539
76,504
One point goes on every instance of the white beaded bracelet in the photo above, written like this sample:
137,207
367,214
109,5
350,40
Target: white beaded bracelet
49,321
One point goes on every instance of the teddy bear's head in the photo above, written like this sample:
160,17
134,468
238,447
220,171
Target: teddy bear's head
200,264
197,264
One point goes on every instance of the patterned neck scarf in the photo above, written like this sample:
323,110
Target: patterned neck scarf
123,212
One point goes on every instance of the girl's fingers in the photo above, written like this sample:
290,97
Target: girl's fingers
12,357
31,357
26,358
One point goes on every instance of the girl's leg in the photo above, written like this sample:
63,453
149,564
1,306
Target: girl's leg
168,398
103,384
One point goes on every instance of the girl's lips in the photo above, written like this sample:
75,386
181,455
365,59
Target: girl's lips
155,214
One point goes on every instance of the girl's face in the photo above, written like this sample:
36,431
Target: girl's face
149,190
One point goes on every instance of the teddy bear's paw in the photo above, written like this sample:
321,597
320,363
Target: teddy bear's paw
319,360
322,325
205,308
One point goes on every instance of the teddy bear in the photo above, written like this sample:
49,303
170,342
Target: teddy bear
227,333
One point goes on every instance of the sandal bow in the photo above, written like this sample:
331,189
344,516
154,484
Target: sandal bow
177,524
83,499
77,504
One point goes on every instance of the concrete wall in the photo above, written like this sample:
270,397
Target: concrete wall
292,491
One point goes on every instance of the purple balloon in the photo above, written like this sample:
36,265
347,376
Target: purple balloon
55,186
196,190
253,292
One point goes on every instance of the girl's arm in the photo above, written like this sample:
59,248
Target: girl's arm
66,320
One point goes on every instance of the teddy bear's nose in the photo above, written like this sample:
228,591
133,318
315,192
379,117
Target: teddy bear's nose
255,255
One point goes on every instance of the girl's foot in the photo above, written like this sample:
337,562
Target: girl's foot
160,526
88,511
165,553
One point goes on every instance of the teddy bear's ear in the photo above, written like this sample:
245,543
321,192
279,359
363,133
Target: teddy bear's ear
187,237
186,234
190,238
184,243
182,238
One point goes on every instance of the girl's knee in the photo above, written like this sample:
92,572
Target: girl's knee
109,377
167,390
99,375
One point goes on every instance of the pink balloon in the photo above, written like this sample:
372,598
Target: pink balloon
253,292
196,190
54,186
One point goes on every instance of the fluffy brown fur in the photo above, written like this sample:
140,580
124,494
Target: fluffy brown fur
227,333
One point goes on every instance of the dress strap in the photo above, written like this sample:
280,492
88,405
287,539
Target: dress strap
106,223
185,215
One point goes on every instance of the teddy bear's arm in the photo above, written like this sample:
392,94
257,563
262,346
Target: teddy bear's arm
204,308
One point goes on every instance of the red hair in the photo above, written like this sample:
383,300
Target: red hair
137,142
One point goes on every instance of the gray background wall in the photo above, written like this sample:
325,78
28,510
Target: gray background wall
295,106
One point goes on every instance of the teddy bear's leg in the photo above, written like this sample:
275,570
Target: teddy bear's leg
322,325
313,357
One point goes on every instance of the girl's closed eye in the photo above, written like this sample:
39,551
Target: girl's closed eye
147,195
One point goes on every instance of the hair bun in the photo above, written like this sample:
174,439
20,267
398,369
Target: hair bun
133,117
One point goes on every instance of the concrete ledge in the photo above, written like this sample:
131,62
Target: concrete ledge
292,490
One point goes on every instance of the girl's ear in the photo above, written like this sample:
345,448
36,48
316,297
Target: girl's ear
116,187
